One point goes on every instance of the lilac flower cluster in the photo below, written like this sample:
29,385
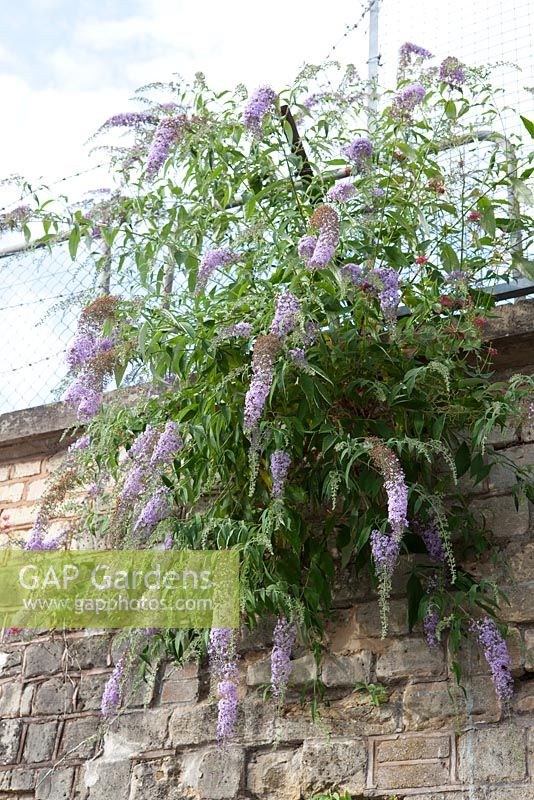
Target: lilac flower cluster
451,71
242,330
14,219
432,539
80,444
406,100
112,695
498,658
38,540
280,463
385,550
306,246
388,294
352,273
90,356
430,624
407,50
341,192
86,346
223,657
84,395
153,512
168,132
315,98
311,333
143,445
283,641
265,351
287,309
130,119
359,151
168,445
298,357
394,483
326,219
256,108
212,260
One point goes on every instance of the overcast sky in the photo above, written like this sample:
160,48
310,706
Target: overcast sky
67,65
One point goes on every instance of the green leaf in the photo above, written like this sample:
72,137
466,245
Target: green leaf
524,266
487,218
74,241
449,258
415,593
522,192
450,110
462,459
529,125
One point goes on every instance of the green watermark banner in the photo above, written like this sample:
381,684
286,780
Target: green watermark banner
119,589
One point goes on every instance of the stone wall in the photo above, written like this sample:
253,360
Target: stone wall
426,739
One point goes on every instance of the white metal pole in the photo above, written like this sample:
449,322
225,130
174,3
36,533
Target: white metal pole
372,63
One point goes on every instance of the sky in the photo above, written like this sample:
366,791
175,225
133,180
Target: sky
66,66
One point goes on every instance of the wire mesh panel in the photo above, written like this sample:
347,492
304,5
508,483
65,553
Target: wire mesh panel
42,291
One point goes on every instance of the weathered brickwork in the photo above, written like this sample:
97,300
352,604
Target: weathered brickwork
427,739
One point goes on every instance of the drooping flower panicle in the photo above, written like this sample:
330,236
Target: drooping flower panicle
406,100
359,151
283,641
407,50
280,463
257,107
153,512
451,71
223,658
341,192
287,309
388,293
326,220
430,623
168,445
212,260
169,131
265,351
113,690
497,656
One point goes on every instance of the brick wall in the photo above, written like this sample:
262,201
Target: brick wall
427,740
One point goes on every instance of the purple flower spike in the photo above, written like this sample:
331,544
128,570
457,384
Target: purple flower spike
112,696
451,71
407,50
430,624
341,192
283,641
286,314
223,658
406,100
166,135
256,109
359,151
168,445
498,658
212,260
306,246
153,512
280,463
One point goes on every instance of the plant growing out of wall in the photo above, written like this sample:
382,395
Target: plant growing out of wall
319,378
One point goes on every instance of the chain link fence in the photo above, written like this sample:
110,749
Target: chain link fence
42,290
